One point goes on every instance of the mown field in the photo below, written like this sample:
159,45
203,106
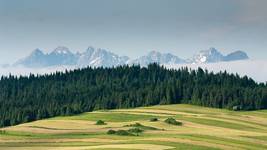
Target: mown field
202,128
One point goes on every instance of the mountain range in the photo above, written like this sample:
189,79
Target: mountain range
62,56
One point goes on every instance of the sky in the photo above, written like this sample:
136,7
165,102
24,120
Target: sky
133,27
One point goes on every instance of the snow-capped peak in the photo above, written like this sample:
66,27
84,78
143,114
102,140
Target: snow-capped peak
212,55
157,57
37,52
207,56
61,50
90,49
100,57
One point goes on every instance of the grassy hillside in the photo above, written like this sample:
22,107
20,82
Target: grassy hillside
202,128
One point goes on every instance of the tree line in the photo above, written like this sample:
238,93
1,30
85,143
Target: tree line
34,97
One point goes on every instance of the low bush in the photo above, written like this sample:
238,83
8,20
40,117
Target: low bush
154,119
136,130
172,121
111,132
100,122
138,125
123,133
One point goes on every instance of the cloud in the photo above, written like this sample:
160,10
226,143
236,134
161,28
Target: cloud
255,69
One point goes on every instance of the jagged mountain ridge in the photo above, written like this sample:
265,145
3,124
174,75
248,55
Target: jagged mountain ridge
212,55
63,56
36,59
161,58
101,57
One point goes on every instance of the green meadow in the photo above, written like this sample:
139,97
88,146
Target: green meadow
202,128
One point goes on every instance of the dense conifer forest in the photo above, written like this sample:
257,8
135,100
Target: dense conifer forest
24,99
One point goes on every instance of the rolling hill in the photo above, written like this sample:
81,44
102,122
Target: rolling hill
202,128
26,99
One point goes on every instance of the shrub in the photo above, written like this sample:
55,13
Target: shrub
138,125
154,119
134,125
100,122
111,132
136,130
173,122
123,133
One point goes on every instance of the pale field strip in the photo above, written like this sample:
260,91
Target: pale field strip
143,113
69,125
251,118
91,140
156,111
249,124
44,126
113,146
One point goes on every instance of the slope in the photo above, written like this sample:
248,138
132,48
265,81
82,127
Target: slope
203,128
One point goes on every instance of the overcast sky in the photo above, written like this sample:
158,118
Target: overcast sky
133,27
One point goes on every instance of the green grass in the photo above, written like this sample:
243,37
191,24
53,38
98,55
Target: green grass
263,138
115,117
224,141
217,123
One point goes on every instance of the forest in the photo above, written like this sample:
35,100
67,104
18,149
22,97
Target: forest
34,97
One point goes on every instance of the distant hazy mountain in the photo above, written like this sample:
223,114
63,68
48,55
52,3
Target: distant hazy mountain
62,56
238,55
100,57
59,56
4,65
207,56
212,55
36,59
161,58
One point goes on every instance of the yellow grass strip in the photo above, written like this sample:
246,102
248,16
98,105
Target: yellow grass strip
92,140
111,146
156,111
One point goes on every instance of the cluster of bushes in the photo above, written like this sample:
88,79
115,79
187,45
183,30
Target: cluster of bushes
130,132
138,128
172,121
138,125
